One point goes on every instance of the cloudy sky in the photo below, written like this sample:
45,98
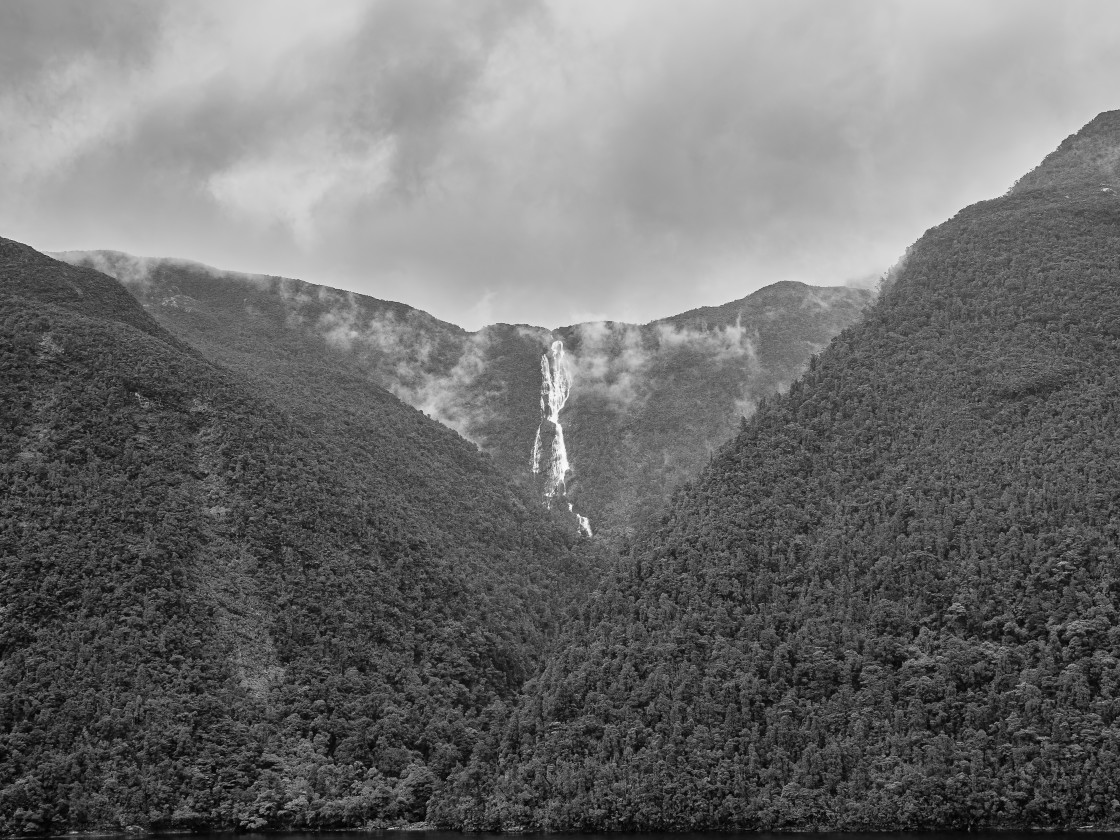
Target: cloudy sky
538,162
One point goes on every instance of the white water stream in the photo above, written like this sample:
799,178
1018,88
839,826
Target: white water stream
556,384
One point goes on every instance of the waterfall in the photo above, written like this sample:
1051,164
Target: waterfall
555,387
537,452
584,524
556,384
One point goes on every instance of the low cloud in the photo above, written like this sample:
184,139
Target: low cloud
398,346
137,272
452,398
409,354
436,368
621,363
132,271
721,344
610,361
542,335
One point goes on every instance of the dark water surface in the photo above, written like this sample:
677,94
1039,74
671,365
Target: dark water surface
984,834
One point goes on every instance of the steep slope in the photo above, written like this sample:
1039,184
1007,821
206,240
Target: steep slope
221,611
648,404
651,404
1090,158
892,601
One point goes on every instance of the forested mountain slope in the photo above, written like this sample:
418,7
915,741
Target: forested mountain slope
647,407
221,611
891,601
650,404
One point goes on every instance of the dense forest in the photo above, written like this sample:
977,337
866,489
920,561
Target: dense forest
892,600
649,404
255,590
220,610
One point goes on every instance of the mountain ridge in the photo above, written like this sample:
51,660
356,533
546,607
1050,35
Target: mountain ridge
486,384
132,270
226,611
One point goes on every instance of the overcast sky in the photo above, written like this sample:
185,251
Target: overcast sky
536,162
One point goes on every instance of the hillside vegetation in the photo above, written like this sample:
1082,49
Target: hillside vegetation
673,391
220,610
649,404
892,601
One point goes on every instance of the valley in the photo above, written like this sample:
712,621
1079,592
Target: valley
280,557
644,406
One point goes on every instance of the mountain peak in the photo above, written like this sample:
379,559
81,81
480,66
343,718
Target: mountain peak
1091,157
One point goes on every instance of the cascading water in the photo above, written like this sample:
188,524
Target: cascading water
556,384
537,452
584,524
555,387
